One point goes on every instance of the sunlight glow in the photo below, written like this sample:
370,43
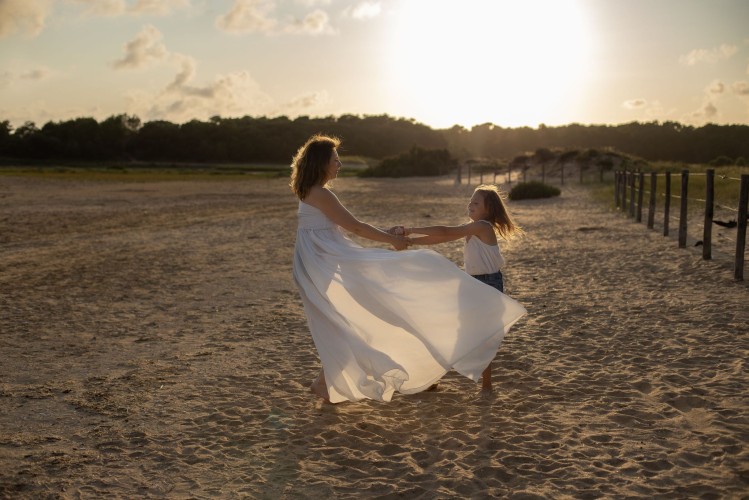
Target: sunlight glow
467,62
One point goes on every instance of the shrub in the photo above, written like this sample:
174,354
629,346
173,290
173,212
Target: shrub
740,162
532,190
417,162
721,161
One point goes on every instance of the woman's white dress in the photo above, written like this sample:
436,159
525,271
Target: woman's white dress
386,321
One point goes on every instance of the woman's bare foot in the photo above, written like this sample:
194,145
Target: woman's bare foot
320,388
486,380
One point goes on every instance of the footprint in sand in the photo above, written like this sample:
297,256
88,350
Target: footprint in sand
687,403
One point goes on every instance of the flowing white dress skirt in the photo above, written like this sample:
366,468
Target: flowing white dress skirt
385,321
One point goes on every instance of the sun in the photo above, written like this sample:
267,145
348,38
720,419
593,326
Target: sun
470,62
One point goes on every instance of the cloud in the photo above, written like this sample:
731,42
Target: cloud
635,103
652,110
740,88
181,83
364,10
6,78
707,112
24,16
112,8
9,77
313,3
716,87
40,73
258,16
157,7
248,16
306,103
708,55
234,94
314,23
181,100
143,50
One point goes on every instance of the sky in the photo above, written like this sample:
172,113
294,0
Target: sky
442,63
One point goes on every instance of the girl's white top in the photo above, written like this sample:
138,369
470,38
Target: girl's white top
386,321
480,258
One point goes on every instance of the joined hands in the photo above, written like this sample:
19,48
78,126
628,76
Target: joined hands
400,232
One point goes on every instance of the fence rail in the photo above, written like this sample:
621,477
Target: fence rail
634,183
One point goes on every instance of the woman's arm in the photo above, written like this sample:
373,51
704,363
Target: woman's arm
325,201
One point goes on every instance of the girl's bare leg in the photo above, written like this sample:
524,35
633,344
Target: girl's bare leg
486,379
320,388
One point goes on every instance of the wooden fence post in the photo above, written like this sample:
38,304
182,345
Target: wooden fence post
707,230
623,189
667,205
651,207
683,211
618,179
616,189
640,194
632,194
738,268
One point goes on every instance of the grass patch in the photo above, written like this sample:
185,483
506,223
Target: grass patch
145,172
726,186
163,172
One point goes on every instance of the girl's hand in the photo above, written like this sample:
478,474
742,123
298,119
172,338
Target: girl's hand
401,243
397,230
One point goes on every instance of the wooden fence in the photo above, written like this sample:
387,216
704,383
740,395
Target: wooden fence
519,173
633,183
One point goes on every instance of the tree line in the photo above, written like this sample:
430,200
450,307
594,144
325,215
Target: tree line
124,138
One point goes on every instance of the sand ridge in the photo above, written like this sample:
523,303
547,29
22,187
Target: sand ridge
154,345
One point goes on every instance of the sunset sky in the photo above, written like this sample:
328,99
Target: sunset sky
440,62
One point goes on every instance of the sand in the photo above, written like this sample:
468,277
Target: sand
153,344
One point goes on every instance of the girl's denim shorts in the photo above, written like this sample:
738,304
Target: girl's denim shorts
493,280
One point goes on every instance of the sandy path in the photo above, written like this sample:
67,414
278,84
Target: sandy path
153,344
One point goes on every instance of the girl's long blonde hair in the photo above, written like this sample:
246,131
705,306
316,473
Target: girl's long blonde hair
309,163
499,216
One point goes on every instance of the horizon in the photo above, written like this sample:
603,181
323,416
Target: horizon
396,118
441,63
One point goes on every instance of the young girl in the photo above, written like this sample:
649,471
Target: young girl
383,321
481,255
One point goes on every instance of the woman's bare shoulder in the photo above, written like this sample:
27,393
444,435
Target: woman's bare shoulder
318,194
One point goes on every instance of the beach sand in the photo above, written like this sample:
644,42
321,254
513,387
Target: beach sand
153,344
